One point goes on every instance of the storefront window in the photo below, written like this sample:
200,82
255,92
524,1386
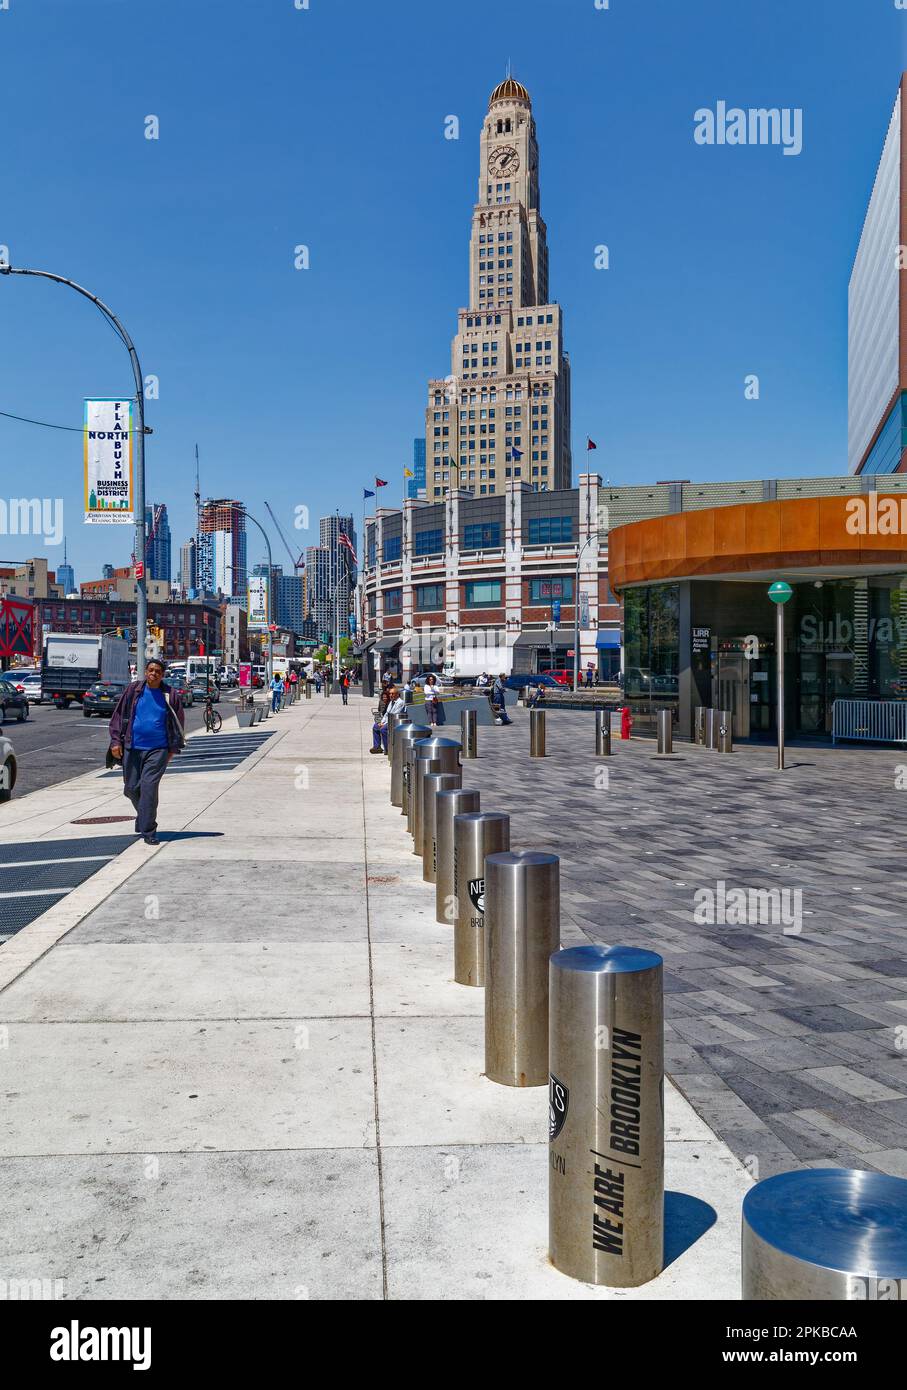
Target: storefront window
651,646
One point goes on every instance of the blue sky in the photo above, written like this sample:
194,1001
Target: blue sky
325,127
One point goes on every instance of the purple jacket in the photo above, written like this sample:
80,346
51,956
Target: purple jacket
123,715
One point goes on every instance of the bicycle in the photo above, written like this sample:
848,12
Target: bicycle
213,720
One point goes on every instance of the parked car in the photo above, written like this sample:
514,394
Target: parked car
12,702
519,682
27,683
201,689
183,689
101,698
8,768
561,675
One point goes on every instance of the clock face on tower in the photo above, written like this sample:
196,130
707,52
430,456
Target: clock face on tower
503,160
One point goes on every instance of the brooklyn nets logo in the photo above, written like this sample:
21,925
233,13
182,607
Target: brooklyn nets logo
477,894
558,1102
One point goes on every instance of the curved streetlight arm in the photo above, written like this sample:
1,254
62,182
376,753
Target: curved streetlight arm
141,605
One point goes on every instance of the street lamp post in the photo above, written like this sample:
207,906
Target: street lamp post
587,541
779,593
141,604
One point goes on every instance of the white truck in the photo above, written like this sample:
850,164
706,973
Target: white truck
71,663
466,662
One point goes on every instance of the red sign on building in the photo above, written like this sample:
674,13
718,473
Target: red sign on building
17,628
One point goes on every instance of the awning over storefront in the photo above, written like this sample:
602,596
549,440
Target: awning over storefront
387,644
542,639
608,637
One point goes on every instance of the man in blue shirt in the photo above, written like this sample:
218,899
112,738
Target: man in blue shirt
146,729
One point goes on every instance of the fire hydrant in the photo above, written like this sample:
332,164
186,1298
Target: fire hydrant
626,722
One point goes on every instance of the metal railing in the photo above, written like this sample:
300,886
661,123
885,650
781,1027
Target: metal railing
881,721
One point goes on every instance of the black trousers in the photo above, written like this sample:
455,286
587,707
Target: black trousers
143,769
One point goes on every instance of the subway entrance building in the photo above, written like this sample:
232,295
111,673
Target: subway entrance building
699,627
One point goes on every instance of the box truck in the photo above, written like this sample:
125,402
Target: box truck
466,662
71,663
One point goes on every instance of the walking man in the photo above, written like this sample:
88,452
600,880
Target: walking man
345,686
146,729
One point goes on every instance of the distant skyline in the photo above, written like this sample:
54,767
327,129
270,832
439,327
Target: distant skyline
325,129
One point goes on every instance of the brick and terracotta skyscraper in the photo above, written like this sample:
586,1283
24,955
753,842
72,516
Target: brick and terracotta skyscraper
504,411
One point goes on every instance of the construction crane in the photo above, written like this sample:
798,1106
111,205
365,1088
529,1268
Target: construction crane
297,564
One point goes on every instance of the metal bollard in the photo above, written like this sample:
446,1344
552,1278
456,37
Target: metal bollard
469,733
326,689
825,1235
391,726
699,726
711,728
606,1115
432,784
415,733
665,731
395,748
308,690
536,733
725,725
522,930
476,834
603,733
446,751
424,766
447,806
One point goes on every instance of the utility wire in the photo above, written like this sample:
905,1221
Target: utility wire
75,429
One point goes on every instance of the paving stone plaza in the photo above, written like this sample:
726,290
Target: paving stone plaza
790,1040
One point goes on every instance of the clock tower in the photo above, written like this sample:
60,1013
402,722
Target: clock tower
504,412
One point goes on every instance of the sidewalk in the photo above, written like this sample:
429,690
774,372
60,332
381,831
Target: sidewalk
237,1066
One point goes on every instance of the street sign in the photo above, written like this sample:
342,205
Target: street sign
140,569
556,611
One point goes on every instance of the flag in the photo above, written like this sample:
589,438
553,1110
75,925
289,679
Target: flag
590,444
366,493
380,482
516,453
344,540
408,473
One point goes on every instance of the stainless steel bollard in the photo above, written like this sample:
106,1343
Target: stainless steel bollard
536,733
699,726
422,767
469,733
447,806
725,725
606,1115
391,726
711,728
308,690
476,834
603,733
825,1235
447,752
415,733
326,689
395,748
665,731
522,929
432,784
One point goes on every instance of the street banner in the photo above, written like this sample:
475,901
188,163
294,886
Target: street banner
257,597
583,609
108,462
245,674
